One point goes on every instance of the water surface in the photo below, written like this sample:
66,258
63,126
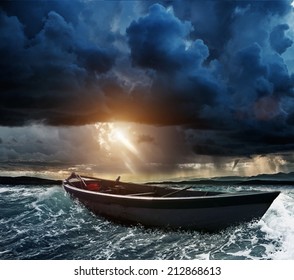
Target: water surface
43,222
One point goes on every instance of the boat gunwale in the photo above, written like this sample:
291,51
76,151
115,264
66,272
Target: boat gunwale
166,212
151,198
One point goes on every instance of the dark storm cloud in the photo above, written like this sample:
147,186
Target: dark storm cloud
45,78
157,41
215,68
182,85
279,42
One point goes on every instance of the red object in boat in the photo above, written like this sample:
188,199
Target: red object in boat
93,186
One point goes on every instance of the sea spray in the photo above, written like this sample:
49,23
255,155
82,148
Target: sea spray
278,224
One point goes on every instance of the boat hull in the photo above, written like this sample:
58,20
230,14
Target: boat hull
197,213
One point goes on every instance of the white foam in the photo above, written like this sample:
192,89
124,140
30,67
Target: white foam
4,252
4,189
44,194
278,224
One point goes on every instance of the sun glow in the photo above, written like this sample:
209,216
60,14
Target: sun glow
116,139
121,137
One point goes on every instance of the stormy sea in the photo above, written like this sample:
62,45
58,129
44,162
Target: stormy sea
40,221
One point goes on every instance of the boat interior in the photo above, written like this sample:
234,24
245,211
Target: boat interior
136,190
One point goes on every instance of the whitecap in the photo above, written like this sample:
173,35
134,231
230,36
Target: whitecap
278,224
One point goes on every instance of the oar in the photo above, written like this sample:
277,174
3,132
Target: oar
74,175
177,191
84,185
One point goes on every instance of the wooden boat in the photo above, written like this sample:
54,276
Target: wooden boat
167,207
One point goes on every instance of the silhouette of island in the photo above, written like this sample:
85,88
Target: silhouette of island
26,180
263,179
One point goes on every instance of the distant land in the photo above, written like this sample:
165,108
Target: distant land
263,179
25,180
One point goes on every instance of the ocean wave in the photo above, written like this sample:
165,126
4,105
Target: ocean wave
278,225
45,223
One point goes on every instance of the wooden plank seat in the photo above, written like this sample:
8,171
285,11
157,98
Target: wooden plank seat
142,194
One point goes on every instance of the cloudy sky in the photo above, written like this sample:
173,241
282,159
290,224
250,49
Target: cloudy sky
147,88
